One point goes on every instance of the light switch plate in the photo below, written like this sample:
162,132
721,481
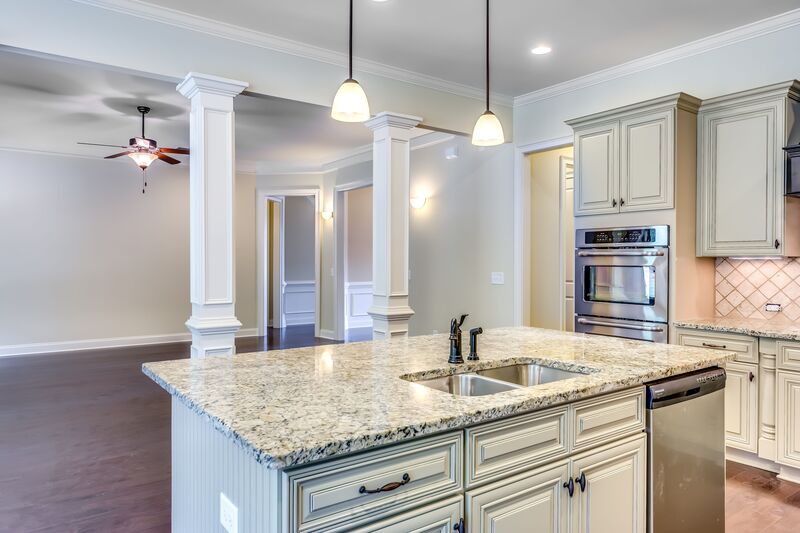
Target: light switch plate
498,278
228,514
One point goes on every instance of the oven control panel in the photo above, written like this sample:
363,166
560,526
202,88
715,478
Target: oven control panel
652,236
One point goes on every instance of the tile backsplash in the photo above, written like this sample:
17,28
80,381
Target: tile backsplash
745,286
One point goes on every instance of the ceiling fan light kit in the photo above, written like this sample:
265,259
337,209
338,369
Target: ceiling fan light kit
488,131
350,103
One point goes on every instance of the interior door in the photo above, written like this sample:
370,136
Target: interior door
536,501
610,489
568,243
596,169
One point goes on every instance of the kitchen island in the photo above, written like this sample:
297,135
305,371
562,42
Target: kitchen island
343,438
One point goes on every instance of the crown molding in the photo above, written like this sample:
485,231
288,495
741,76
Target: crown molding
224,30
706,44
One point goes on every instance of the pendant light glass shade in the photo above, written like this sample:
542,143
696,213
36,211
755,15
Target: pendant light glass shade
142,159
488,131
350,103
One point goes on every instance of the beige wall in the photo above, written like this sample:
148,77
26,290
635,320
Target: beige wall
85,255
545,245
359,234
298,252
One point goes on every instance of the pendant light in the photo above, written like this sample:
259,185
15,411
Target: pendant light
488,130
350,103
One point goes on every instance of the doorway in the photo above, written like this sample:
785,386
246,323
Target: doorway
353,264
552,239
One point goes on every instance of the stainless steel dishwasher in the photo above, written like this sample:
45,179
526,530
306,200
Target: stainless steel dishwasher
686,453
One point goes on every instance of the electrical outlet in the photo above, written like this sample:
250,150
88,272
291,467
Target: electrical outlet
498,278
772,308
228,514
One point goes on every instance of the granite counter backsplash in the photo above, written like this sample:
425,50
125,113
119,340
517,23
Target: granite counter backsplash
291,407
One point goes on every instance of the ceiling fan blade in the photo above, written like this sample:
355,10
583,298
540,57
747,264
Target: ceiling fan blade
168,159
184,151
108,145
116,155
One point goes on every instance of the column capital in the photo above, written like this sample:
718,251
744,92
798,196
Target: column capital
195,83
397,120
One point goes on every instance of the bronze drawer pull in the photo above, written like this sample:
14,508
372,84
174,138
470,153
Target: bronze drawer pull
720,346
386,488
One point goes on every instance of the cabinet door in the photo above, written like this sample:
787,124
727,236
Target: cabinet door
597,169
647,175
440,517
521,503
613,497
741,406
740,189
788,420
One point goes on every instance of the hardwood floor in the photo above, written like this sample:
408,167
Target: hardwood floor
85,445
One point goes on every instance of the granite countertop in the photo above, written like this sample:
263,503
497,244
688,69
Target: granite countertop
756,327
292,407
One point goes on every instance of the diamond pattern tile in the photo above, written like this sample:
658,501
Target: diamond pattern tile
744,287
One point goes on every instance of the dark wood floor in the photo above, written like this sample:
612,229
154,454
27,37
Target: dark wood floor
84,437
85,445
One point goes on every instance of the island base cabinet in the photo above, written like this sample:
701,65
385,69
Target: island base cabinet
610,489
441,517
608,495
537,501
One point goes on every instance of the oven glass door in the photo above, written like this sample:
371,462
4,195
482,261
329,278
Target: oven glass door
631,284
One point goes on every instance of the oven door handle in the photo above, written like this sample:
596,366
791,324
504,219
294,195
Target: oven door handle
621,253
637,327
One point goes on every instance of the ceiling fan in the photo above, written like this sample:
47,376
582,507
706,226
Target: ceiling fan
142,150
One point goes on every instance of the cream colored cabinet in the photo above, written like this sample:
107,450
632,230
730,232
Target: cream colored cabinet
788,419
516,504
741,208
440,517
741,406
625,159
610,489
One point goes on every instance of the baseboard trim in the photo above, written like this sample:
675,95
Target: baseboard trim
750,459
111,342
327,334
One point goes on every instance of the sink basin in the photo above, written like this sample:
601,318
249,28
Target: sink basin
467,385
528,375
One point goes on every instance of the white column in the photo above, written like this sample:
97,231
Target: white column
211,193
391,153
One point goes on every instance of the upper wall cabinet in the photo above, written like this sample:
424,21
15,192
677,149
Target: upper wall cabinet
625,158
741,208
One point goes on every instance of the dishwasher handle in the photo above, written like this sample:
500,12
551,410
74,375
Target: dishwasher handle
684,387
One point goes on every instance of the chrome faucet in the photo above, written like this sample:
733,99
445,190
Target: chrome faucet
455,340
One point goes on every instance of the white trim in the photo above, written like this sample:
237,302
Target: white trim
522,225
353,289
188,21
706,44
326,334
563,163
110,342
300,316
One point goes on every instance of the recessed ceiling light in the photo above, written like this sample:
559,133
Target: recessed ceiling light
541,50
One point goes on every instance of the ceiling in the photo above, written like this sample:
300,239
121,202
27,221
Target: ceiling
50,105
444,38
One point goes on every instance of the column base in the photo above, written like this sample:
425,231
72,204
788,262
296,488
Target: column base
213,336
390,322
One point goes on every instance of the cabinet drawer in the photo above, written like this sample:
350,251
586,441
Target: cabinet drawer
744,347
597,420
330,497
440,517
507,447
788,355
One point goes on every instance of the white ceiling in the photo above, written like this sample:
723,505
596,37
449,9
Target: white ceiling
444,38
50,105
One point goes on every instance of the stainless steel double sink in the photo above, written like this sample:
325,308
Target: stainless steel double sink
500,379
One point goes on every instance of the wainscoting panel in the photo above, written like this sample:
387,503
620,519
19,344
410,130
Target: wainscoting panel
358,298
298,302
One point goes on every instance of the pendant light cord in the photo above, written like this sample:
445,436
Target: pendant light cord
351,39
143,125
487,54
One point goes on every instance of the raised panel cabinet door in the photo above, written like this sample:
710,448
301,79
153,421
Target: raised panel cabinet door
740,189
610,489
741,406
788,419
440,517
647,174
533,501
597,169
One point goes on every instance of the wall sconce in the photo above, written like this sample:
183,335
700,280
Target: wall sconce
327,215
418,202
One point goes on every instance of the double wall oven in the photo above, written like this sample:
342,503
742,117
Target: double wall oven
622,282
